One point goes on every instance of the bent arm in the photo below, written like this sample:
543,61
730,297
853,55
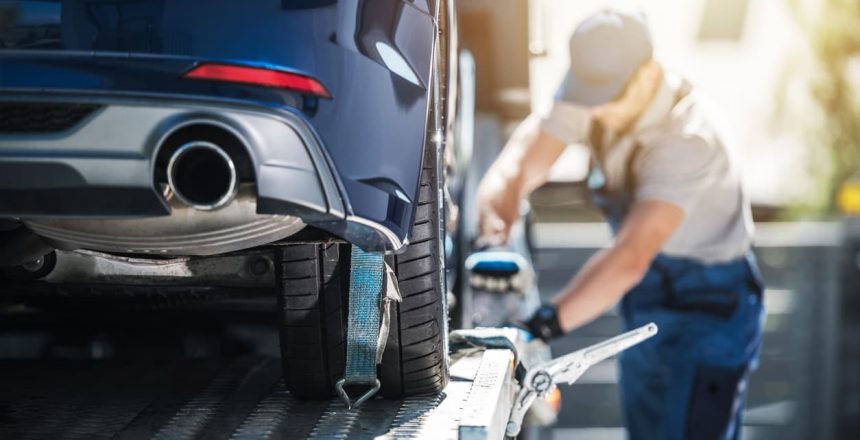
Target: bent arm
612,272
522,167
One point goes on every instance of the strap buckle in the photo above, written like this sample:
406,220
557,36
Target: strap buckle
350,404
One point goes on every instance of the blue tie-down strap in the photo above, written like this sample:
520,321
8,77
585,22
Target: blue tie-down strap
371,289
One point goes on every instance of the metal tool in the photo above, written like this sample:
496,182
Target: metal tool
499,271
502,286
541,378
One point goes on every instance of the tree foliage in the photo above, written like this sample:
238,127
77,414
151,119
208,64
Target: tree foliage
834,35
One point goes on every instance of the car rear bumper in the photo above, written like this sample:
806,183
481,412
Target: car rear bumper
100,162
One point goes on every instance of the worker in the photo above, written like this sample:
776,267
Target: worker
681,256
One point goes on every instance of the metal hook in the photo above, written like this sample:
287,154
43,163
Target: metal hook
363,398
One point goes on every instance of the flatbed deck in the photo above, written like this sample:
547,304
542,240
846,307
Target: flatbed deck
242,398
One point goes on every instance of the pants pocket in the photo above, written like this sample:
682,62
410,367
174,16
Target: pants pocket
719,303
714,401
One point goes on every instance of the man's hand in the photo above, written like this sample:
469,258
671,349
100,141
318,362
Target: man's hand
522,166
612,272
498,209
544,323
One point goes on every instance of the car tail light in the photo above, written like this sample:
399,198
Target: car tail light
259,76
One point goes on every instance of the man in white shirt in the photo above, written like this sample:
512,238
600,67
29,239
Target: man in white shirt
681,257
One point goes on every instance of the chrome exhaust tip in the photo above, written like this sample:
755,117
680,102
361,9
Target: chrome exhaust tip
202,175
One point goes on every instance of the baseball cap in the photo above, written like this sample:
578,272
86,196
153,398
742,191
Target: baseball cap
606,49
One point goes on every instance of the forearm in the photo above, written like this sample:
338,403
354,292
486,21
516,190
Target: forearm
500,186
520,168
604,280
526,159
508,173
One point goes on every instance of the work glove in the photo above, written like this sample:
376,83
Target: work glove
544,323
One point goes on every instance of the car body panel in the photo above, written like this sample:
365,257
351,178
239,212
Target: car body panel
114,148
374,57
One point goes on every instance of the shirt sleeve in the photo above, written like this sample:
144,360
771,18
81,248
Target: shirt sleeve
567,122
677,171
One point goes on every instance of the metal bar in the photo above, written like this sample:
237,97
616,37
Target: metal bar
490,399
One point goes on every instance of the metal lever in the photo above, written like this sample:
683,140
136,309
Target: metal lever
567,369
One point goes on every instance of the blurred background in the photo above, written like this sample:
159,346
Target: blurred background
784,75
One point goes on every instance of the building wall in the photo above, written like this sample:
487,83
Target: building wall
495,31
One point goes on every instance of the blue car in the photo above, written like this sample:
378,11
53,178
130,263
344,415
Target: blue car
170,147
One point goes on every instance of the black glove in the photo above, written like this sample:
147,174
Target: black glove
544,323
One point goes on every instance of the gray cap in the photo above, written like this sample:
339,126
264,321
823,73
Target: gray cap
606,49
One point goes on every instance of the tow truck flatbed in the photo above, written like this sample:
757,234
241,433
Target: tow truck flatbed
211,371
241,399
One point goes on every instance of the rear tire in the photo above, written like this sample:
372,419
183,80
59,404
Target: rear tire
313,294
313,283
415,359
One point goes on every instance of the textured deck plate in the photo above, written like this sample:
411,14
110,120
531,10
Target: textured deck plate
239,399
474,405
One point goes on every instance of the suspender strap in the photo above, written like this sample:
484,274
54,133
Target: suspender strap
631,180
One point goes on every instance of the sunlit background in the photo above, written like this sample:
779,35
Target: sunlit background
783,76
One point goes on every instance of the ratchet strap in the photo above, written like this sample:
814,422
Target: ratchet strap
372,288
484,339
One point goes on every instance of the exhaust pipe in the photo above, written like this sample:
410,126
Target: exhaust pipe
202,175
